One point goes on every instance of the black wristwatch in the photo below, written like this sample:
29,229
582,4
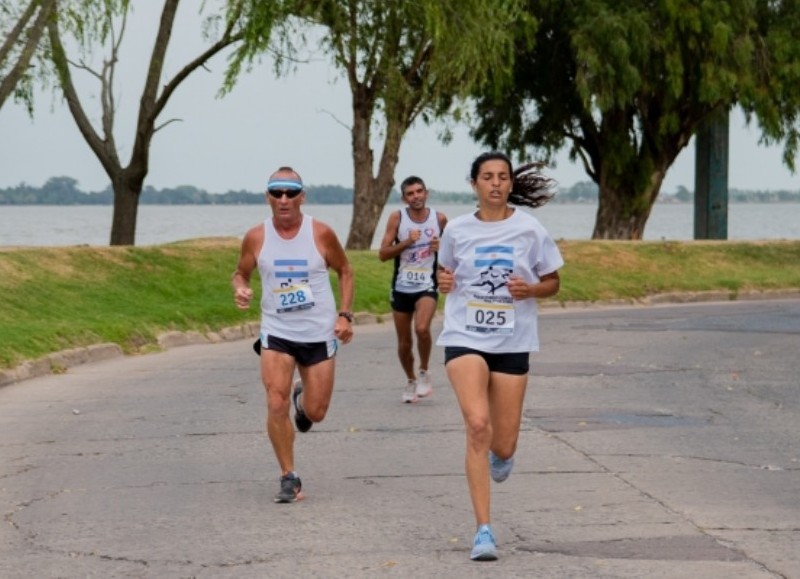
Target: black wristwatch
347,316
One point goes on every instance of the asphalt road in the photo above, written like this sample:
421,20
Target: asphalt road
658,441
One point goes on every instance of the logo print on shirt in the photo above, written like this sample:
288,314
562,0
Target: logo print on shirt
496,264
421,250
291,271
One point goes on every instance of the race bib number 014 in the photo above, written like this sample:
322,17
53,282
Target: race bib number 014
490,318
410,276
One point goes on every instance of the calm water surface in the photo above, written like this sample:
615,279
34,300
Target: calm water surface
42,225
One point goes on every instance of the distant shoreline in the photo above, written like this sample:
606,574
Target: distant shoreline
64,191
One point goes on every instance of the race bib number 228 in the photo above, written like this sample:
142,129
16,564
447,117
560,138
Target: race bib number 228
294,297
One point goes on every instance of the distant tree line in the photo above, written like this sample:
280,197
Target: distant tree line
587,192
65,191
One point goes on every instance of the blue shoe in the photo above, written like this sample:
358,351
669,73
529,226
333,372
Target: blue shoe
484,546
500,468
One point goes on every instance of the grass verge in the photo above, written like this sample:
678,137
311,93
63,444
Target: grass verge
57,298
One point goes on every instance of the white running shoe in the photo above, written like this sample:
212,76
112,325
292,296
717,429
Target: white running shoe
410,392
424,386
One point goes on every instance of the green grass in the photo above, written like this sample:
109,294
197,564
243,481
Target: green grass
596,270
57,298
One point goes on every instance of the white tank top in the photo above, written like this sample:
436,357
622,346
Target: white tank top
479,313
415,267
296,300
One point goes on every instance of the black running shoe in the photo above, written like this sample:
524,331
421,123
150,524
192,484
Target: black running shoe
301,421
291,489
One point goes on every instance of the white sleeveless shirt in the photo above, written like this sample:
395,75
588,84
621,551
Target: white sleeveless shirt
297,301
415,267
479,312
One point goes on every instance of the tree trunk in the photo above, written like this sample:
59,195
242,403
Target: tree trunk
371,193
622,210
126,209
368,204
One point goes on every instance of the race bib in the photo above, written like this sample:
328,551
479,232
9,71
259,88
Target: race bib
291,298
413,276
494,316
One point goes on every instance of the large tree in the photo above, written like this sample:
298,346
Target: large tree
102,23
403,61
22,27
625,84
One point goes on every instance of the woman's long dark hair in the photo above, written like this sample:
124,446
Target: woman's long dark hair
530,188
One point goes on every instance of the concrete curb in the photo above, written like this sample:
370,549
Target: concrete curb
677,298
61,362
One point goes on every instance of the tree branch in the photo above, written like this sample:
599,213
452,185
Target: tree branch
11,80
105,154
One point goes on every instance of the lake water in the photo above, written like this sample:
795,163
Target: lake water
43,225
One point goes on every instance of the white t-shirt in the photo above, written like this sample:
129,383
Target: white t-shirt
479,312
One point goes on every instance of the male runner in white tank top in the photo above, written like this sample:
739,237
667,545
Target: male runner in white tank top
300,325
412,240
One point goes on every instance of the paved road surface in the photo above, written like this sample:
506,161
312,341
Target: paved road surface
657,442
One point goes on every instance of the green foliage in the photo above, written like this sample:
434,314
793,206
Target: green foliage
22,32
402,60
626,84
265,27
404,53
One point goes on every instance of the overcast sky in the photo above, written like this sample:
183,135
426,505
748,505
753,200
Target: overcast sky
235,142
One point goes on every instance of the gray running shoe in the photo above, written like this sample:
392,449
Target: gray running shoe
500,469
291,489
484,546
301,421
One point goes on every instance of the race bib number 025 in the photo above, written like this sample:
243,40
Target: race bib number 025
490,317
